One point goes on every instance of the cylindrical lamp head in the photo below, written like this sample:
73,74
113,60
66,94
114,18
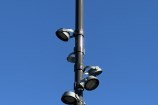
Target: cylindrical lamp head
69,98
91,83
93,70
63,35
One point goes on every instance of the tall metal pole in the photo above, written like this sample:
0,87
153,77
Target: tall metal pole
79,50
90,82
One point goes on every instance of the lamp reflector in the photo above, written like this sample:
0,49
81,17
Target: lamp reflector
69,98
93,70
71,58
63,35
91,83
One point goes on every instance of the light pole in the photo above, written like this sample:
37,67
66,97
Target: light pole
89,83
79,50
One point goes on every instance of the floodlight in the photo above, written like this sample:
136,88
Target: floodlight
91,83
64,34
70,97
93,70
71,58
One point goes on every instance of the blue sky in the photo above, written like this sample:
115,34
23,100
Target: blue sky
120,37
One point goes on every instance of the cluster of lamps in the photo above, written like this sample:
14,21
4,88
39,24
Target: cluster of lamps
90,82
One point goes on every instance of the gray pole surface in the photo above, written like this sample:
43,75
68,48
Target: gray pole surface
79,50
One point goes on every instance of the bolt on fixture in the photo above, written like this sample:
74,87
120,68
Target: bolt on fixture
90,82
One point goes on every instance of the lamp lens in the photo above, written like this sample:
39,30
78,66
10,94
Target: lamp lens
92,84
69,100
64,36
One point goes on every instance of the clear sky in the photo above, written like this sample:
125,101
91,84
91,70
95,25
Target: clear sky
121,36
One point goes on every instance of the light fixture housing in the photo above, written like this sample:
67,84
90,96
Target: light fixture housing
64,34
70,98
91,83
71,58
93,70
